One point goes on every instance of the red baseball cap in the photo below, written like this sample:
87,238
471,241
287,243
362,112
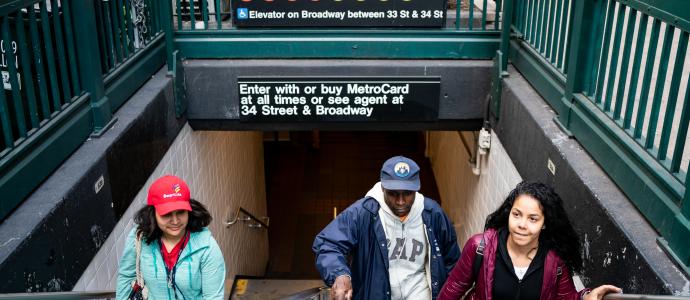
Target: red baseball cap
169,193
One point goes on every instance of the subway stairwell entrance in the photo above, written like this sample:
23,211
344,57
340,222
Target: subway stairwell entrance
312,175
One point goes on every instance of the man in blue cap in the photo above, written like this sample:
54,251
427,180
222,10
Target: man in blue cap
401,244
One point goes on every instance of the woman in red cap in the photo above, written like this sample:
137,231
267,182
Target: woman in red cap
177,256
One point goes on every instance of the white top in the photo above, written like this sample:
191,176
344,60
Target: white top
407,249
520,272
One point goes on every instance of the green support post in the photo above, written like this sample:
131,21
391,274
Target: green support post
90,73
505,34
676,242
165,11
501,58
174,60
179,85
497,84
581,58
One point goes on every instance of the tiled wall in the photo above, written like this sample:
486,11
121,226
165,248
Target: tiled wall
224,170
468,198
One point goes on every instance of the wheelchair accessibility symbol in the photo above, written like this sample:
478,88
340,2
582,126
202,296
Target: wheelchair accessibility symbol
242,13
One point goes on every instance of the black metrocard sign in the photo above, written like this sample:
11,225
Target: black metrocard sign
348,99
339,13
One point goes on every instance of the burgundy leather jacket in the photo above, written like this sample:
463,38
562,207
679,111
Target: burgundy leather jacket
557,284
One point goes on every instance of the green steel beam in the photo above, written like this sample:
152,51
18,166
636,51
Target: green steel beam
19,117
603,58
167,24
672,97
613,66
586,21
60,46
179,86
505,33
678,240
647,77
497,84
25,59
391,44
538,25
674,12
90,72
553,32
637,61
625,62
667,42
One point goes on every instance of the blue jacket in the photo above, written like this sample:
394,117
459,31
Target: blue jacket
200,269
358,232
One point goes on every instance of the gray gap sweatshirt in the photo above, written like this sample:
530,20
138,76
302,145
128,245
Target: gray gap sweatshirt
407,248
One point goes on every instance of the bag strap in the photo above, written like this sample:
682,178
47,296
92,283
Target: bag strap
478,259
137,246
139,277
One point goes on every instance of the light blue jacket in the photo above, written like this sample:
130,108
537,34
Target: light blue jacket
200,269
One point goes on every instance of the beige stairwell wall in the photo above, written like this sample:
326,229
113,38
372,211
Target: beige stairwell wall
469,198
224,170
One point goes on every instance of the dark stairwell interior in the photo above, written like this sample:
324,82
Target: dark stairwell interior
313,172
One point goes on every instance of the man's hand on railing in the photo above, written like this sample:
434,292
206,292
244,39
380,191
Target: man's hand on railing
601,291
342,288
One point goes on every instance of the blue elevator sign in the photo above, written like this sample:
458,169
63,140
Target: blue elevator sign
340,13
242,13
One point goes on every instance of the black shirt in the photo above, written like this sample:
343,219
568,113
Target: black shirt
506,284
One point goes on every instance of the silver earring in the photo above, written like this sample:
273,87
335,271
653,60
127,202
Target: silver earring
543,227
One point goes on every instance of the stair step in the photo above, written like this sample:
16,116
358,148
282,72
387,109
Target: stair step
252,288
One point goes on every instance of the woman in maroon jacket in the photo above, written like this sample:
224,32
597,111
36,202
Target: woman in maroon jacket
530,248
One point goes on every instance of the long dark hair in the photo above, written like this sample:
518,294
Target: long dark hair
145,218
558,233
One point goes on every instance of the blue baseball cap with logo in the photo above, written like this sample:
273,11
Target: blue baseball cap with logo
400,173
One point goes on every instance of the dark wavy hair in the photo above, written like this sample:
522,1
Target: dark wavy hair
558,233
145,218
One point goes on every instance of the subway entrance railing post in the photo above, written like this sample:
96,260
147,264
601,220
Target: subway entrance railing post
584,32
166,17
89,64
594,62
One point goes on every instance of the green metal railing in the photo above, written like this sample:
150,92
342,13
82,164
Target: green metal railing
29,39
616,72
543,25
124,27
62,81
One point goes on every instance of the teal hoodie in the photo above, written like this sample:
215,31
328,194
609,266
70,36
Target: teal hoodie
200,269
